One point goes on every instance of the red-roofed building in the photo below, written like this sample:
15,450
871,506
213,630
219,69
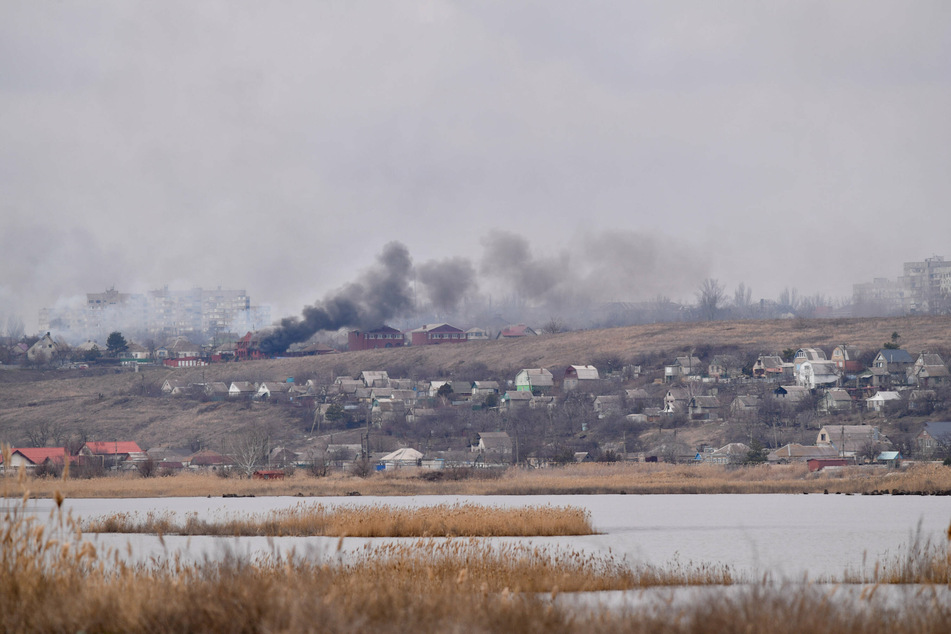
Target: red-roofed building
382,337
114,452
248,347
513,332
434,334
32,457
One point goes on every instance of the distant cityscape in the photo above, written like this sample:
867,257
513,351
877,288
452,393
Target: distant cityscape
162,314
923,288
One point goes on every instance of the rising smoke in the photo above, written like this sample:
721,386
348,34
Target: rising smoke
381,293
600,267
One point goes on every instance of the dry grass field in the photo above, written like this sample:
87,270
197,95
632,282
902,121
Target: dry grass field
563,349
595,478
111,404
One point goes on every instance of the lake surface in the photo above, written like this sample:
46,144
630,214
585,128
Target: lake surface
787,536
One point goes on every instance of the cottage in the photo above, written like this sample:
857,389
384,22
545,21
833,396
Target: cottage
891,367
477,334
791,394
929,371
182,348
850,440
272,390
242,388
768,367
807,354
216,390
207,459
174,388
484,388
682,367
608,405
676,400
882,400
494,445
534,380
745,406
375,378
578,376
30,458
516,331
515,398
846,359
43,351
813,374
732,453
404,457
835,400
114,453
794,452
934,440
704,408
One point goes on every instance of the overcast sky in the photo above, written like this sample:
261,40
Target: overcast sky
278,147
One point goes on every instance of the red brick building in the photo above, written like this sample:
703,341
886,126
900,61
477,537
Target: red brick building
434,334
382,337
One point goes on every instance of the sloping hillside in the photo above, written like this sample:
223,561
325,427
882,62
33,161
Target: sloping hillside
124,405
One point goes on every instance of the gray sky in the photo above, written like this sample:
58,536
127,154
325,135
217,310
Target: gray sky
278,146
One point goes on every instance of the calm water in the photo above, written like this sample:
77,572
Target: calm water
786,535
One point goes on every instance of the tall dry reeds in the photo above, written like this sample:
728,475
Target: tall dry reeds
51,580
442,520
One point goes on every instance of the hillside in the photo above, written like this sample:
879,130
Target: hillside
123,404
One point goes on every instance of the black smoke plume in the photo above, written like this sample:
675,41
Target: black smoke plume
446,281
382,293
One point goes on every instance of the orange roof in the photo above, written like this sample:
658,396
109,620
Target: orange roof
112,447
37,455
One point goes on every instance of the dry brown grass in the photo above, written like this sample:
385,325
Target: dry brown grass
596,478
442,520
51,580
29,398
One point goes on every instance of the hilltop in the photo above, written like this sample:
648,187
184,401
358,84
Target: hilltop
106,403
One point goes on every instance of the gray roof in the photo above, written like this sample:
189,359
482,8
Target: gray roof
896,356
938,429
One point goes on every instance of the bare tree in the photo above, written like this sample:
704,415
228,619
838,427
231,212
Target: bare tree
554,326
710,296
248,449
742,299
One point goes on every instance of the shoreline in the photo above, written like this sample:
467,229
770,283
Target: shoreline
588,479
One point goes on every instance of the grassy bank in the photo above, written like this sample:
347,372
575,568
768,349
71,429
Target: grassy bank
52,580
574,479
305,520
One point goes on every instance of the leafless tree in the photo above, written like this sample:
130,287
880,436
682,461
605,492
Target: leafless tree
742,299
554,326
710,296
248,449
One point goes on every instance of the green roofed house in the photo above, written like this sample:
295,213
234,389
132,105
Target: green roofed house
534,379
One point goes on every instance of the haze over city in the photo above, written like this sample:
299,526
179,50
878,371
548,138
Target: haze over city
539,150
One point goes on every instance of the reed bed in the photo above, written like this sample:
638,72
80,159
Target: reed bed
304,520
53,580
606,478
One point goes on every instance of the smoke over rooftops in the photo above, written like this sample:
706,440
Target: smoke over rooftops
604,266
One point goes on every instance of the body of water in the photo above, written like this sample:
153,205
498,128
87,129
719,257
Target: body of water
787,536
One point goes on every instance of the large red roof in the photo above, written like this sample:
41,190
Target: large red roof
112,447
37,455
